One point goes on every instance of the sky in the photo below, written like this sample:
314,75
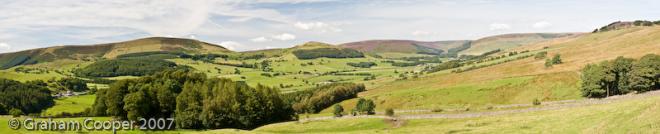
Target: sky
243,25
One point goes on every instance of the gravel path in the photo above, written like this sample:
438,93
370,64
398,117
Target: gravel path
551,105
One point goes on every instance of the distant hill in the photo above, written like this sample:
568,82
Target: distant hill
507,41
402,46
462,47
108,51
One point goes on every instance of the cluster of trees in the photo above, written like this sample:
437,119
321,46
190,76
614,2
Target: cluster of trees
613,26
71,84
443,66
195,101
362,64
554,61
124,67
363,106
209,58
645,23
328,53
17,98
316,99
621,76
473,67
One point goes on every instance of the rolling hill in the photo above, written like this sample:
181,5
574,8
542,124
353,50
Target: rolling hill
108,51
403,46
508,41
453,47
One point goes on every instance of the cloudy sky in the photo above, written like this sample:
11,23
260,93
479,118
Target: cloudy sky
257,24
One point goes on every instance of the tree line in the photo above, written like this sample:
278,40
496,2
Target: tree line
18,98
124,67
362,64
195,101
327,53
621,76
316,99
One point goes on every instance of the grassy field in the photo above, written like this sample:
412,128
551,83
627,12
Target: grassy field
71,104
630,116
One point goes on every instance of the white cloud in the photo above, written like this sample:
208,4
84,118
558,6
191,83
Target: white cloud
284,36
542,25
260,39
4,46
319,26
231,45
421,33
499,26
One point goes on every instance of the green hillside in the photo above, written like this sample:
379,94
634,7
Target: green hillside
508,41
110,50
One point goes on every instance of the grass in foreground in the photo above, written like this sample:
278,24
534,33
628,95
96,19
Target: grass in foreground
641,115
73,104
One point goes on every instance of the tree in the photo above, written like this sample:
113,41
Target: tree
338,110
593,76
645,74
136,105
365,106
556,59
548,63
620,76
236,71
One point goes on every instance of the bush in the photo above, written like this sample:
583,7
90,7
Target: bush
338,110
389,112
437,110
16,112
536,102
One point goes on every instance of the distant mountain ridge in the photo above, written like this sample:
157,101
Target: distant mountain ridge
475,47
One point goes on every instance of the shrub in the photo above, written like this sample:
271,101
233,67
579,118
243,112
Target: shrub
15,112
536,102
437,110
338,110
389,112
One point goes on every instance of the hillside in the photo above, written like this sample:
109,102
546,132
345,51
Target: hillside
508,41
519,81
403,46
109,50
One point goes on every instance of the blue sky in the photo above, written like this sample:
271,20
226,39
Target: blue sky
257,24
